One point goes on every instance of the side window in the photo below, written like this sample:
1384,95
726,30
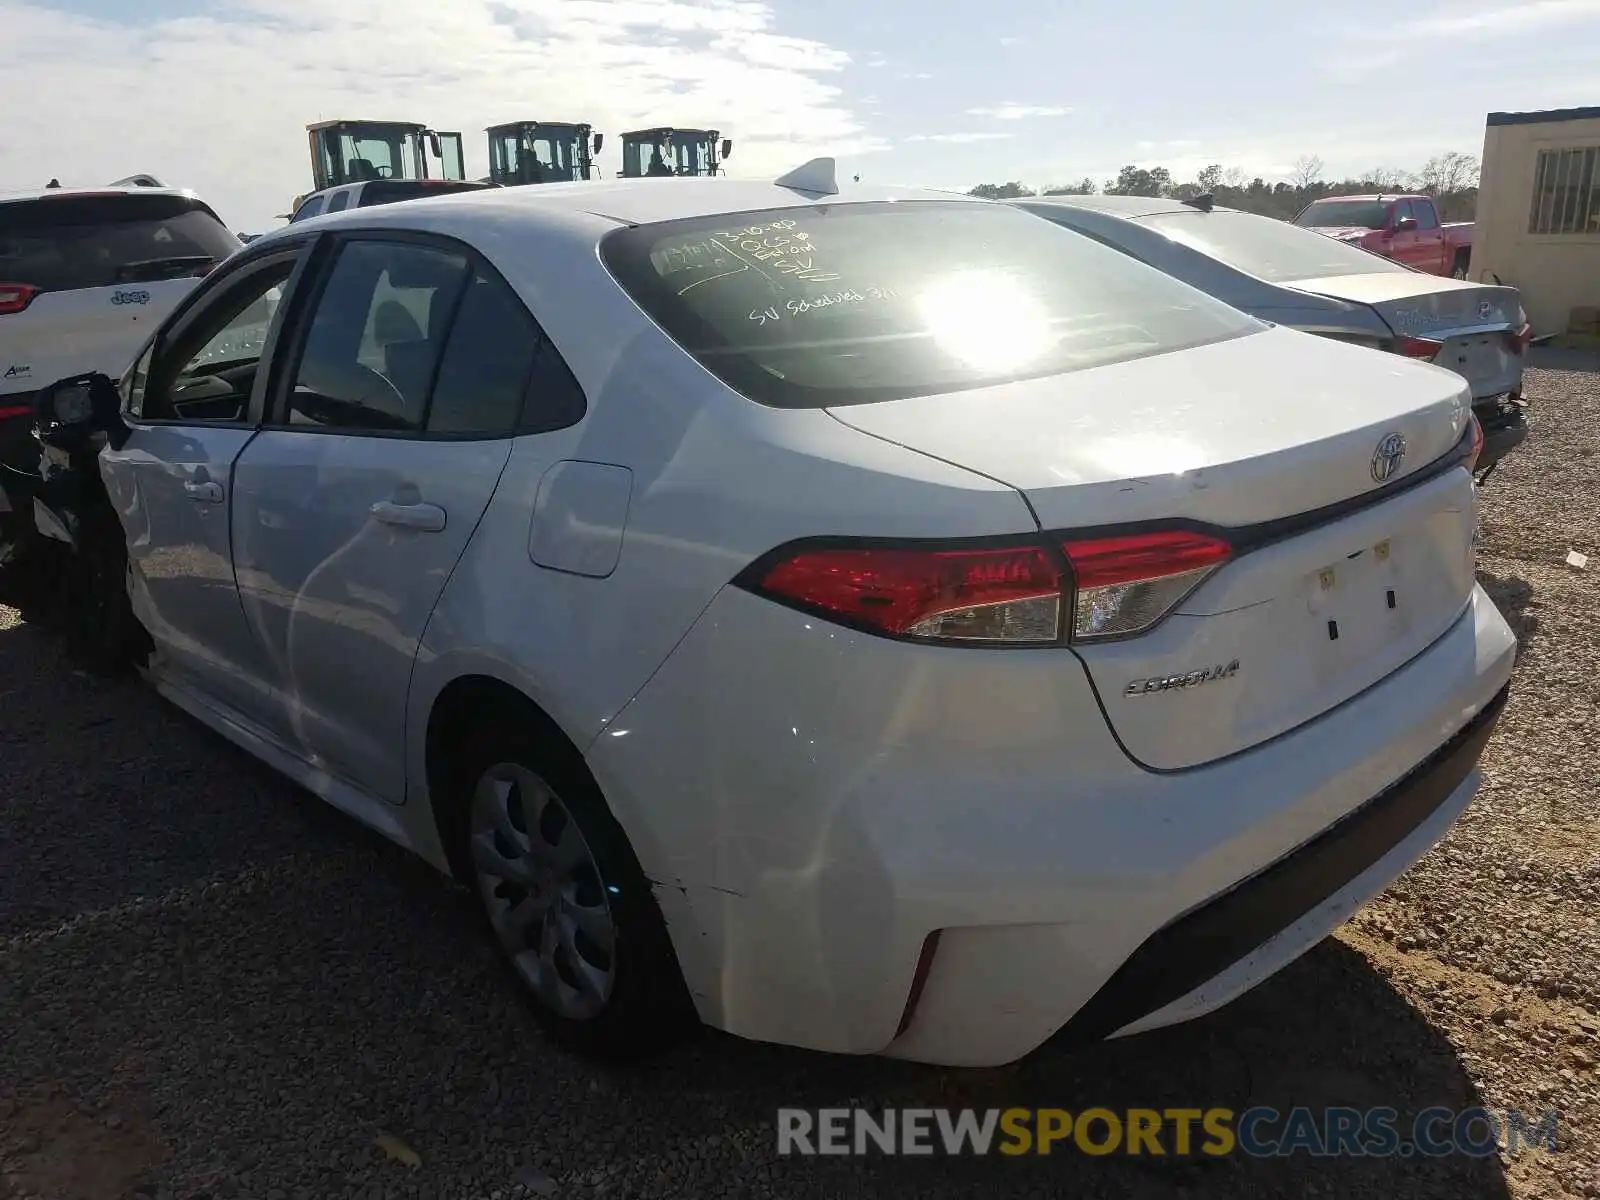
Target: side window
500,374
132,384
1402,210
376,334
309,209
340,201
554,400
1427,216
208,372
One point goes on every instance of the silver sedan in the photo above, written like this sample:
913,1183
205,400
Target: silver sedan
1291,276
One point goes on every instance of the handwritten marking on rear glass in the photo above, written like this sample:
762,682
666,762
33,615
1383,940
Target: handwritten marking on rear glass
800,306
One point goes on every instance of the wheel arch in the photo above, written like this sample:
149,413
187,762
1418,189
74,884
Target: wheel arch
461,706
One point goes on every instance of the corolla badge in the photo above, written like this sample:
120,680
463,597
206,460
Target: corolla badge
1386,459
1189,679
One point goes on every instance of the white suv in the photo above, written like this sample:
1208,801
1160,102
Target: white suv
379,191
85,277
880,621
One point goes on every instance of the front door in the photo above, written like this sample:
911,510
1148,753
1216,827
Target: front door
192,402
1406,246
452,160
353,506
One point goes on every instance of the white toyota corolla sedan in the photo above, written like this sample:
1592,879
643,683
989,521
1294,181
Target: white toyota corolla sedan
868,619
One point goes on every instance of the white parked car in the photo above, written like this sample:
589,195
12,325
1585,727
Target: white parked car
1292,276
378,191
85,276
874,620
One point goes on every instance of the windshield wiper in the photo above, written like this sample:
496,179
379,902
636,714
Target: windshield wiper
175,267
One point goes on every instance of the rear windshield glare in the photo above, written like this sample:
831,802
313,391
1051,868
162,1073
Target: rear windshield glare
405,189
836,304
1269,249
64,243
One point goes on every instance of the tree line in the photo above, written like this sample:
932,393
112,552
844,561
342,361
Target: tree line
1451,179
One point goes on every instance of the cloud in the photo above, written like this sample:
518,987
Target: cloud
1496,22
1010,41
1177,145
916,75
960,138
1366,51
220,102
1018,112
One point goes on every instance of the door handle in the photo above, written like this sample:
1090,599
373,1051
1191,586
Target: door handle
209,493
429,518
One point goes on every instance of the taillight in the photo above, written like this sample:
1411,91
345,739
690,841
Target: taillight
14,297
10,412
1004,594
1011,595
1126,584
1415,347
1477,442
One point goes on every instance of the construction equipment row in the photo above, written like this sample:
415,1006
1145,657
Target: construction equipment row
521,152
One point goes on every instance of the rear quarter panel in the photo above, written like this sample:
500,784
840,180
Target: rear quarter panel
716,481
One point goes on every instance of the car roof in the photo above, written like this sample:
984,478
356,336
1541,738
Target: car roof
1131,207
1375,196
46,193
618,201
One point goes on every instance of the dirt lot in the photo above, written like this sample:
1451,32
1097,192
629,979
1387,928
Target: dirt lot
211,985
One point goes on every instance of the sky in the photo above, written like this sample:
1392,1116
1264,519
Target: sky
216,96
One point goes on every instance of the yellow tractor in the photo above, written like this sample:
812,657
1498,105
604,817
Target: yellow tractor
362,151
669,151
542,152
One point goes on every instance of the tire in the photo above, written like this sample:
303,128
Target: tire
603,930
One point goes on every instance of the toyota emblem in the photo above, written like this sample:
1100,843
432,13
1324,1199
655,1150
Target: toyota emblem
1387,457
1485,309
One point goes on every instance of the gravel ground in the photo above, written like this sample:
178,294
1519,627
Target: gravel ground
212,985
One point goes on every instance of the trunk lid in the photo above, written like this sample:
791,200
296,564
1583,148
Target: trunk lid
1470,319
1236,434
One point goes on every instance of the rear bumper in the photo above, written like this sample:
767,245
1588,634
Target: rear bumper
813,806
1181,957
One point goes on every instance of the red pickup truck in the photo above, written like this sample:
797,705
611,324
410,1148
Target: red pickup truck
1404,228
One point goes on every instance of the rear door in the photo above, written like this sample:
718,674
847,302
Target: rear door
193,401
85,278
387,438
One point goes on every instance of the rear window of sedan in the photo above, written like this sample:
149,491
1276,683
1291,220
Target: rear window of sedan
1275,251
850,303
